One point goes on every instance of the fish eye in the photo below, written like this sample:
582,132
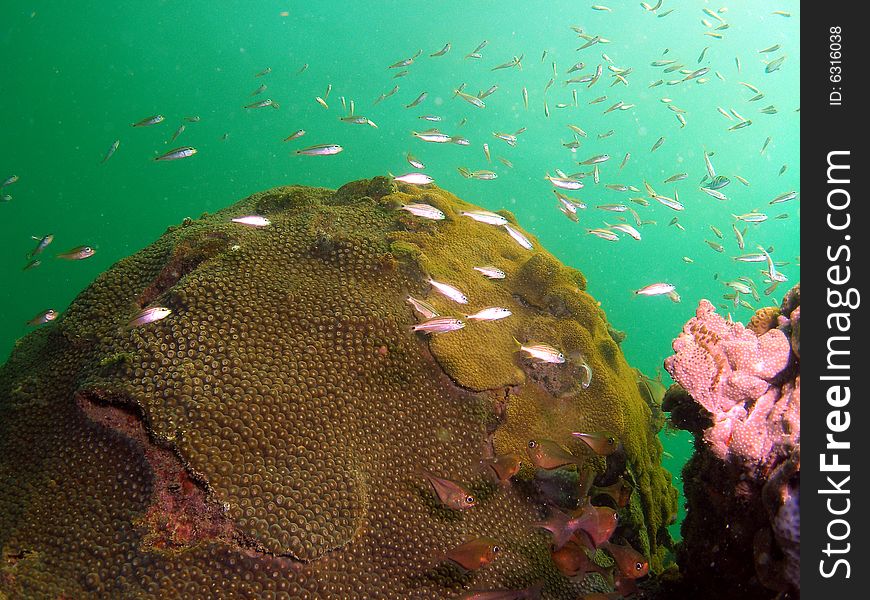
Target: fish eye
469,499
532,443
638,566
87,249
497,549
611,440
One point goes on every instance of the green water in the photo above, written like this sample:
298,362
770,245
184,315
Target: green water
75,76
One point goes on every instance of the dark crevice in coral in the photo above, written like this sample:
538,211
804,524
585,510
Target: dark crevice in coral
189,254
182,512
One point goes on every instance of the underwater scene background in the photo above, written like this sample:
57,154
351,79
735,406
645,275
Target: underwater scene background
77,77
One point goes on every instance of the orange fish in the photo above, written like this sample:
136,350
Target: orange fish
449,493
601,442
561,526
619,491
572,560
599,523
504,466
631,563
547,454
474,554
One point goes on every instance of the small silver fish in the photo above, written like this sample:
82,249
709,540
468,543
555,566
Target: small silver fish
655,289
252,221
443,50
78,253
153,120
111,151
714,193
784,198
518,237
432,135
483,216
177,153
426,211
414,162
149,315
43,317
604,234
426,310
490,272
439,325
320,150
596,159
295,135
542,352
449,291
177,133
492,313
565,183
627,229
42,244
417,100
751,217
415,179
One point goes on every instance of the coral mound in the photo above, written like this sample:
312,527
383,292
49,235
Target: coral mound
266,439
739,395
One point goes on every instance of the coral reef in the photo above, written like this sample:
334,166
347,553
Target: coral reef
738,393
267,438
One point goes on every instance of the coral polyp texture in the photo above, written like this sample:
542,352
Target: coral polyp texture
268,438
739,395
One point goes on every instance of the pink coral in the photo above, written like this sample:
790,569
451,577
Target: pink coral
739,390
732,372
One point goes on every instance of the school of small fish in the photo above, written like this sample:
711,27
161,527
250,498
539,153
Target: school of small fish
574,82
568,90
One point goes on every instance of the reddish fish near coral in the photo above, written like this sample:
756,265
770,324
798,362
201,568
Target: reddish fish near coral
449,493
572,560
598,522
562,526
474,554
631,563
619,491
601,442
504,466
547,454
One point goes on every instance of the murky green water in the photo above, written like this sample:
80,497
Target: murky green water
75,76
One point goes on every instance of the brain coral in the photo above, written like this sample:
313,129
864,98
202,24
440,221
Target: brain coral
266,439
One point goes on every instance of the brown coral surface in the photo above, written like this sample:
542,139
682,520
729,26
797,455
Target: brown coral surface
266,438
